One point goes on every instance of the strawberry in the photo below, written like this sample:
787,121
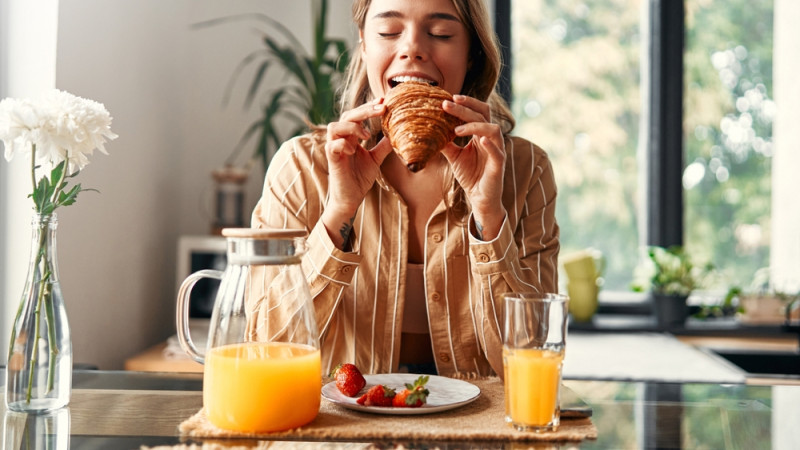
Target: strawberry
378,395
414,395
348,379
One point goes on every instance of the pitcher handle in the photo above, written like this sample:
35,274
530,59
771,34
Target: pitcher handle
182,317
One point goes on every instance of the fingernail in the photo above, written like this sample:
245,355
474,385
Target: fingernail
377,107
448,103
458,97
459,129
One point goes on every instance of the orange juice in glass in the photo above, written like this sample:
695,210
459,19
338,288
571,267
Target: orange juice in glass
534,338
262,387
534,377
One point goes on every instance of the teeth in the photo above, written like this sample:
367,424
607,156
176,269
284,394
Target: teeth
403,79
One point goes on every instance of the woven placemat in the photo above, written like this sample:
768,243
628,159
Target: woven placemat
481,420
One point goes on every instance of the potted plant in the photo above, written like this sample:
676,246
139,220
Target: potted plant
671,276
765,303
308,96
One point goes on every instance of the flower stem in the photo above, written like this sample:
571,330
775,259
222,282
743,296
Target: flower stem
51,336
38,320
33,167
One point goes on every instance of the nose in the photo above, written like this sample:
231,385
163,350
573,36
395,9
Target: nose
412,47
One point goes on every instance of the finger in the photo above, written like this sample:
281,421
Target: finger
468,109
340,147
381,151
492,147
467,115
451,152
361,113
473,103
340,130
482,129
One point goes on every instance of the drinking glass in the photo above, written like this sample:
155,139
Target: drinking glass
534,338
265,379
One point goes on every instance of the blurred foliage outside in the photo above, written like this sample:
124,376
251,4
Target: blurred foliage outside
576,86
728,116
577,93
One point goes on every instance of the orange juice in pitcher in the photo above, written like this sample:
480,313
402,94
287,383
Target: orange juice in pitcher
269,379
262,387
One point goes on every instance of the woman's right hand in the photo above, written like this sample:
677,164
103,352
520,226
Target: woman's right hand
352,168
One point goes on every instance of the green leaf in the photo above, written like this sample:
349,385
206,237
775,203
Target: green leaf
292,61
58,171
236,72
68,198
309,92
257,16
256,83
42,194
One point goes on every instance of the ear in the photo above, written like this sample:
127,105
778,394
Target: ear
361,42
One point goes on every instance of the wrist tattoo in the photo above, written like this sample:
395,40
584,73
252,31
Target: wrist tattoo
479,229
346,231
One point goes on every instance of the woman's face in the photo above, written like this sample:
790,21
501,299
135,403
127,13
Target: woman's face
414,39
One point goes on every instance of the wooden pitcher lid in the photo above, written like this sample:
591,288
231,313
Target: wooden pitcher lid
264,233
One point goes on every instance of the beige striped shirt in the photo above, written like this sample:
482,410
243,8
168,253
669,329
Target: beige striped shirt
358,296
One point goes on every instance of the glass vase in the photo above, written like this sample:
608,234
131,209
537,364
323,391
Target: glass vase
46,431
39,366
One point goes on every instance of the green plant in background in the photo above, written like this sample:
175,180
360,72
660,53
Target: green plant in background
764,287
669,271
308,96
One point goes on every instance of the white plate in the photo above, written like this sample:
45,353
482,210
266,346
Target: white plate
445,393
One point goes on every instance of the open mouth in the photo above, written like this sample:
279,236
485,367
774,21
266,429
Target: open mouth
402,79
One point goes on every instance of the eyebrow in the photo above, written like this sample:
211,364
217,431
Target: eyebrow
393,14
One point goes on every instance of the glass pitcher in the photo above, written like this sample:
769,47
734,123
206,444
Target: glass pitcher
261,373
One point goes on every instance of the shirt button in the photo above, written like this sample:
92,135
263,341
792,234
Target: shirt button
444,357
347,269
435,296
483,257
437,237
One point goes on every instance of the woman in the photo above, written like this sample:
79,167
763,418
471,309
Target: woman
407,269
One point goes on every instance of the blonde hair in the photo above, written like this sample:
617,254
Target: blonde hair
480,81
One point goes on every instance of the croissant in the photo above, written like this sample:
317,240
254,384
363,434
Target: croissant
416,124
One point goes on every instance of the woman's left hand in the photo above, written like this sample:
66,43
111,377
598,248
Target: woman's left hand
479,166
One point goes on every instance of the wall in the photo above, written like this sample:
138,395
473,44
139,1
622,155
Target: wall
785,248
28,45
163,84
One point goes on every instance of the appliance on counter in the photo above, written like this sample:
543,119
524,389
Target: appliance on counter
199,253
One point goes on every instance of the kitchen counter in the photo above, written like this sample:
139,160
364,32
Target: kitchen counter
643,356
129,410
721,327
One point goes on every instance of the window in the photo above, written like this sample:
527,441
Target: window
729,110
577,92
658,117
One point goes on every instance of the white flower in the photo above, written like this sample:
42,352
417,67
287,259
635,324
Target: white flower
20,125
61,125
59,130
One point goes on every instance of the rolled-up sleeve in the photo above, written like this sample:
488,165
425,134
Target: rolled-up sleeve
292,199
